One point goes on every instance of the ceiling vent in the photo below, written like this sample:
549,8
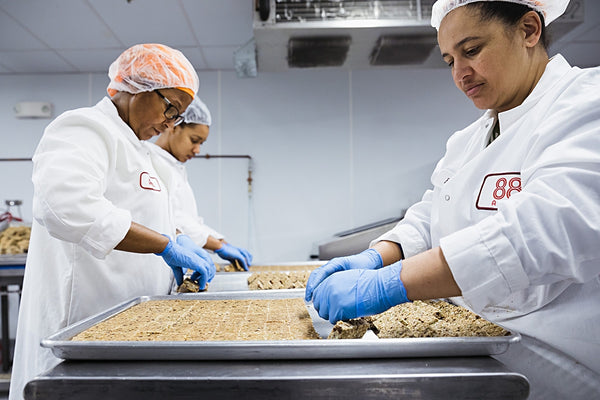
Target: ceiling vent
401,50
327,51
356,34
339,33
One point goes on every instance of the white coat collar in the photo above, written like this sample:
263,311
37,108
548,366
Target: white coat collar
165,154
555,69
107,107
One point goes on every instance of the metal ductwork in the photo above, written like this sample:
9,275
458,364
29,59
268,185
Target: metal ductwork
340,33
356,34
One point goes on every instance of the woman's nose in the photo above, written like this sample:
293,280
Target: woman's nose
461,71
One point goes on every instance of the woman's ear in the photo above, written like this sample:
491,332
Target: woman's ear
531,26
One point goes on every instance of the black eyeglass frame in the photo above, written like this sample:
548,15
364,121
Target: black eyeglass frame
177,118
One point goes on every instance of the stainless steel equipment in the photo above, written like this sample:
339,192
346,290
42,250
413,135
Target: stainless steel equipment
63,347
444,378
355,240
356,34
317,369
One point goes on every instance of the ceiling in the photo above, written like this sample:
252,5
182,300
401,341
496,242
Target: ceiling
80,36
51,36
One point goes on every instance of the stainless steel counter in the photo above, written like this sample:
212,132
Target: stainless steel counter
551,373
12,270
436,378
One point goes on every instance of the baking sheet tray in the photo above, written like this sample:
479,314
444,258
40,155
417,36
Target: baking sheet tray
238,280
63,347
273,267
13,259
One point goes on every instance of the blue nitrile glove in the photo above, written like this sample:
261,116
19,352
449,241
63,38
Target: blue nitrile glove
247,255
359,292
368,259
179,258
232,254
187,242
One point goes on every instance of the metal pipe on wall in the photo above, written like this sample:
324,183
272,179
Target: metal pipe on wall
250,165
205,156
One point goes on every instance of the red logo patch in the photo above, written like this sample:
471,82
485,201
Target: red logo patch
496,187
149,182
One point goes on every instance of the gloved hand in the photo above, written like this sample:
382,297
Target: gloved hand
368,259
179,258
359,292
232,254
188,243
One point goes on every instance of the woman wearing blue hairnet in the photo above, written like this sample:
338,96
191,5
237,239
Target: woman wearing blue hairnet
176,146
511,227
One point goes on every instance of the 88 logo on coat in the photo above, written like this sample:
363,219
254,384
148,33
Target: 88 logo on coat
496,187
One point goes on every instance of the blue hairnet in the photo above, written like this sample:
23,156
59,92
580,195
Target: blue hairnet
197,113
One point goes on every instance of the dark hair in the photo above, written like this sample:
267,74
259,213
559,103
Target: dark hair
508,13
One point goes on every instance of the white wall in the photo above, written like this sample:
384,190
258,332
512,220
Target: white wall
331,149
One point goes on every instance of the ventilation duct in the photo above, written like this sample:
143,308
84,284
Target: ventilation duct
356,34
327,51
400,50
339,33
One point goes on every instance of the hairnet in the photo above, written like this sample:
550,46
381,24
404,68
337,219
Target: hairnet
147,67
197,113
550,9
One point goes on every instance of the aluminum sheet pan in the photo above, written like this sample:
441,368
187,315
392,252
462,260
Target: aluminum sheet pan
63,347
274,267
13,259
238,280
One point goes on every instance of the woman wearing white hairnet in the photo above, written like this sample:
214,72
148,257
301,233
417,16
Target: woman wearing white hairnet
101,207
176,146
512,224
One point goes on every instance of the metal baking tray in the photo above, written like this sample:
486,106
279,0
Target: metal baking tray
275,267
238,280
63,347
235,281
13,259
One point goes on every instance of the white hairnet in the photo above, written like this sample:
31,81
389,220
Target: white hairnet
197,113
147,67
550,9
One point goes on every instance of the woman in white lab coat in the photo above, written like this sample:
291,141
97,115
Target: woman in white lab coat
512,224
176,146
101,207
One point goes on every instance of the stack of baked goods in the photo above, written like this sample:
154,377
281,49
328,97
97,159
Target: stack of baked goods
15,240
419,319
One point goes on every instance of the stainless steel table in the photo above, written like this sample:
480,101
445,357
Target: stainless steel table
418,378
12,269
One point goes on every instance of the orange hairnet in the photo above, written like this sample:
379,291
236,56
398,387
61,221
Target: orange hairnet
147,67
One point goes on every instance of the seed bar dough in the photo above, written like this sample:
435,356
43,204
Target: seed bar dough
206,320
420,319
278,280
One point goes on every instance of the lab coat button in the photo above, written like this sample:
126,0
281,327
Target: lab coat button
447,197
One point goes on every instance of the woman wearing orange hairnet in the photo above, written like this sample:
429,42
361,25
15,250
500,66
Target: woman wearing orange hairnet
102,226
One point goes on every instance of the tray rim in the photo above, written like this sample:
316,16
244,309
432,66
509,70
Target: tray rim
65,348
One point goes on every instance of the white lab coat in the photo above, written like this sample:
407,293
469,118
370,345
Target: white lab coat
185,209
528,258
92,177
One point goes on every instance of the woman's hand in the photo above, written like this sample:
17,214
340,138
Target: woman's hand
368,259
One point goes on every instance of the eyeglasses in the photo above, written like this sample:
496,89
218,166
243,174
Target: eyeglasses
171,113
